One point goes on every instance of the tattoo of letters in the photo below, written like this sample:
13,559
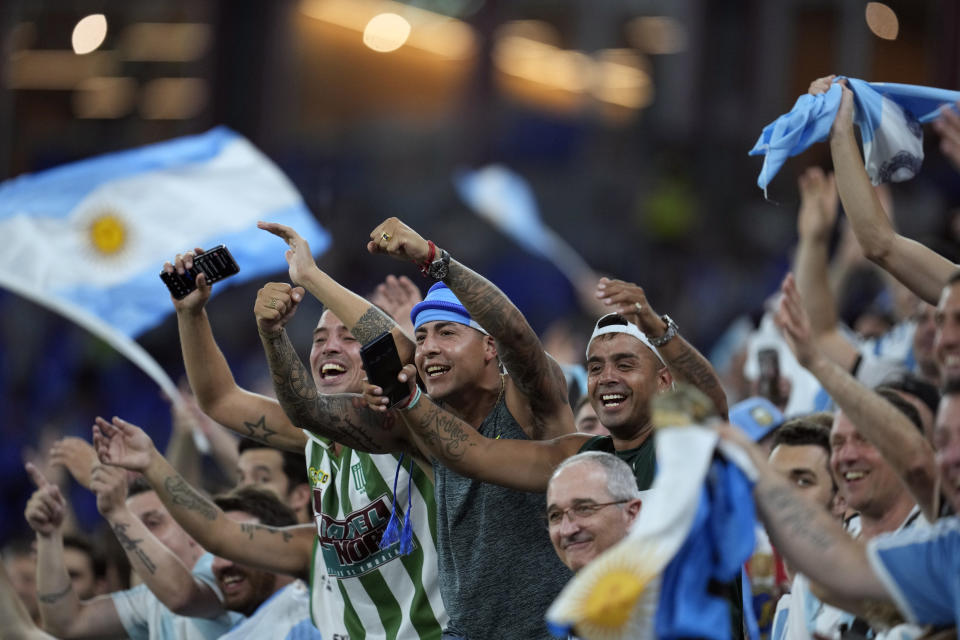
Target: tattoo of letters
183,495
443,431
133,545
371,325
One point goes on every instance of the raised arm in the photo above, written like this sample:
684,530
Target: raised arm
365,321
818,213
921,269
534,374
281,550
167,577
686,364
62,612
887,429
14,614
807,536
248,414
524,465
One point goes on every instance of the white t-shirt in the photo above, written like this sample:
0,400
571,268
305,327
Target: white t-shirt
144,617
277,615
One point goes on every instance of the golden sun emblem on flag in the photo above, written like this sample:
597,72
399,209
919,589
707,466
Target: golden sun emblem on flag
107,233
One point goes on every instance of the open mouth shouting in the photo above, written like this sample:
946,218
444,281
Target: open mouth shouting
231,581
436,370
332,371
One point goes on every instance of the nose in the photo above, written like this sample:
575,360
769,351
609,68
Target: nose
428,346
568,526
845,453
220,564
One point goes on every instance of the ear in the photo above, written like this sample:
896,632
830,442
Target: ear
664,379
633,509
489,348
299,498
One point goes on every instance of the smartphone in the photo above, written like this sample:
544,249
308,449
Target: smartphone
216,264
382,364
769,380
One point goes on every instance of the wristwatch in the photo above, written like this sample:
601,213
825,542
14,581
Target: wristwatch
668,335
439,268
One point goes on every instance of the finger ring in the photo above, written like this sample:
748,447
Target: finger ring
638,307
273,303
385,236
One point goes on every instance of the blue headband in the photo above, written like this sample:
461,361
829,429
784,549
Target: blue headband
441,305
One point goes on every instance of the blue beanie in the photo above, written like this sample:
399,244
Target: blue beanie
757,416
441,305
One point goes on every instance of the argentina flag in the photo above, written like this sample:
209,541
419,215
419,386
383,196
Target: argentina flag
89,239
888,115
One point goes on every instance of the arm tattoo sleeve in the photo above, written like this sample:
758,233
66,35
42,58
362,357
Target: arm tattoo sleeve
333,416
518,346
371,325
51,598
692,367
183,495
132,545
797,519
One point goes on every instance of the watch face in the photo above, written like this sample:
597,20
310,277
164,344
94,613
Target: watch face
438,270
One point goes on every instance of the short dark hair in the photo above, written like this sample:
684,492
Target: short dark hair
904,406
913,384
294,464
139,485
97,562
263,505
805,430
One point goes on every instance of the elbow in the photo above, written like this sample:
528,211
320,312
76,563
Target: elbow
877,247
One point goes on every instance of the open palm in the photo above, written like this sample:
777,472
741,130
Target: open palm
122,444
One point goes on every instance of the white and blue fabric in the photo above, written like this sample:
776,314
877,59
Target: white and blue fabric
94,234
920,568
144,617
285,614
888,115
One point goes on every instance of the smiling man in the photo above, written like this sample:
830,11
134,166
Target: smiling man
592,500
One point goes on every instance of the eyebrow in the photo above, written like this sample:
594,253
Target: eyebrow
615,357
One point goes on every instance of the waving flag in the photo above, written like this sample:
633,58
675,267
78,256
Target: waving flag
888,115
88,239
694,531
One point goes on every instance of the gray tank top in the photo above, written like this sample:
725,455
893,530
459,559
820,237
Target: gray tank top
498,570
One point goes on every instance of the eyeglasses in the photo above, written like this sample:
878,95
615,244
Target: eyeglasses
581,511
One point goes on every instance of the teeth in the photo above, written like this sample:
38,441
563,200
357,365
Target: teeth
331,367
232,579
853,475
436,369
612,398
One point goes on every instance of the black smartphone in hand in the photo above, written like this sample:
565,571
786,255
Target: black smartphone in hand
216,264
381,362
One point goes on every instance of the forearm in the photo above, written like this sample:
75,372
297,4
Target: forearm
537,376
58,603
182,451
208,525
897,439
813,281
364,320
14,614
164,573
340,417
686,364
207,369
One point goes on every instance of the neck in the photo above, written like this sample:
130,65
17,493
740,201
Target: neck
473,405
890,520
633,439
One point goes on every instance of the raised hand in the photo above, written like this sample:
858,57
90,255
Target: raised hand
109,484
397,296
46,508
122,444
77,456
819,204
629,300
794,322
196,299
298,256
395,239
275,305
844,120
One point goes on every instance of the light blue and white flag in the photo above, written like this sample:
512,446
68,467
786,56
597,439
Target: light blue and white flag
89,239
504,199
889,116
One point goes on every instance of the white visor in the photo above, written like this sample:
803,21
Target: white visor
619,324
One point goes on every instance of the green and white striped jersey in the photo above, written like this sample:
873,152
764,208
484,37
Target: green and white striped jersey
359,591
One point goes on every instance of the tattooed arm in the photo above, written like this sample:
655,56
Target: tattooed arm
806,534
342,417
166,575
279,550
524,465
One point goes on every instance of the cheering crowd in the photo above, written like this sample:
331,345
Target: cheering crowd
462,510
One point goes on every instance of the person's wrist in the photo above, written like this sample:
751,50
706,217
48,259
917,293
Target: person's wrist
154,464
269,332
